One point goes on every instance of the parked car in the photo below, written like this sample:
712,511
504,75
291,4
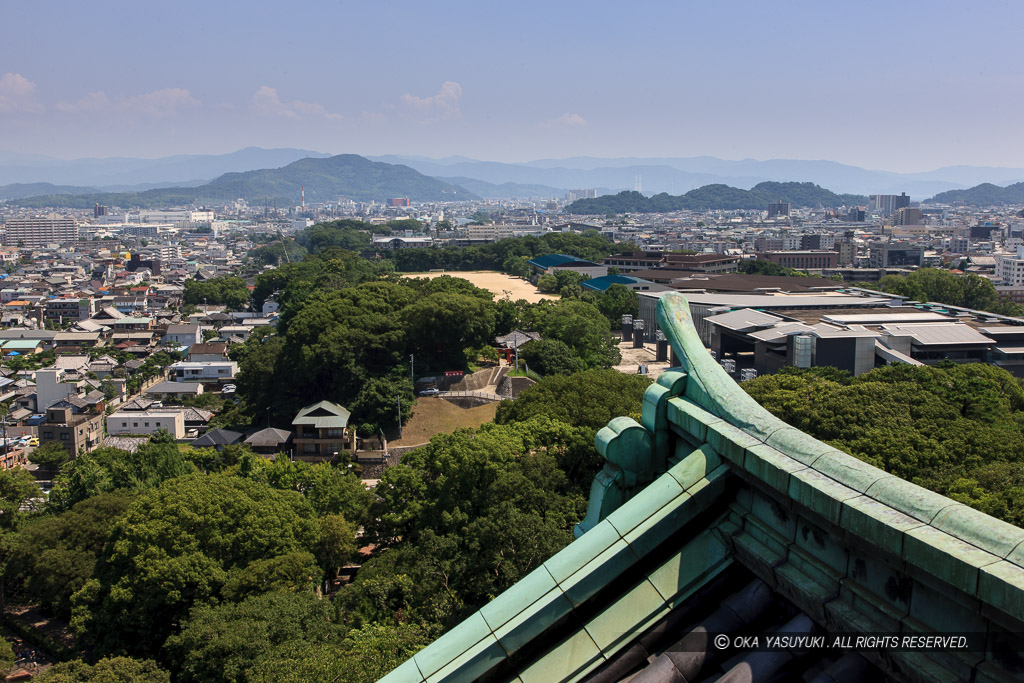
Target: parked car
430,392
34,441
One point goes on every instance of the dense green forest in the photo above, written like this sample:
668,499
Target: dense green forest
955,429
711,197
211,563
507,255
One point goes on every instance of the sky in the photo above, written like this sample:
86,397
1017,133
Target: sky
898,86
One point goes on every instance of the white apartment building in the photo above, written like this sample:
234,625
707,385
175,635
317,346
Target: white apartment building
35,232
1010,268
146,422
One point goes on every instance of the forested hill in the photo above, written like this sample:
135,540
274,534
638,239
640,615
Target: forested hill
325,180
985,194
718,197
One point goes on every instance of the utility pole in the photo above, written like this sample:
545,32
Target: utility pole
399,417
412,369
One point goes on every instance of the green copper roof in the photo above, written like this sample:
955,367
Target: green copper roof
710,479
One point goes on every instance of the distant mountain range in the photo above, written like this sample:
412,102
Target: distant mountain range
325,180
127,181
181,169
504,190
717,197
679,175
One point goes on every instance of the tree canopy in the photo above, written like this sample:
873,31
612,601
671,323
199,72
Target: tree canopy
174,548
228,290
957,430
941,286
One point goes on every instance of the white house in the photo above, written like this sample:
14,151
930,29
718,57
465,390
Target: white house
146,422
182,335
202,371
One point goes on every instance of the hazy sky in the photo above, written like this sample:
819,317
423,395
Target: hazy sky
902,86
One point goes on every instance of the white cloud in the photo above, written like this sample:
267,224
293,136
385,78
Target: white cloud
157,104
443,105
566,120
266,101
17,93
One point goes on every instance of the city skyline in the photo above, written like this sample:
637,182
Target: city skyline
903,88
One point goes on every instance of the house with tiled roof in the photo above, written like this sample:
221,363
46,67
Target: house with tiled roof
321,432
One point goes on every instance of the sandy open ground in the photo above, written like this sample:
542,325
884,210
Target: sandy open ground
498,283
437,416
631,358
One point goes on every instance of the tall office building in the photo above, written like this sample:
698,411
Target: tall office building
907,216
776,209
888,203
35,232
573,195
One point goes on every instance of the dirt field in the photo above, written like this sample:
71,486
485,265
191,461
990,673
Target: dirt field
438,416
499,283
631,358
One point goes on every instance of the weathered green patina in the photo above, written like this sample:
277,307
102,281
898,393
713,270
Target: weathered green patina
710,479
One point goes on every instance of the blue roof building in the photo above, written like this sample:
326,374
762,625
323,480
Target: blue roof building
601,284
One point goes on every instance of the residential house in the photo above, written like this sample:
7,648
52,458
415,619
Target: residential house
205,371
322,432
270,442
211,351
175,390
182,335
146,422
217,438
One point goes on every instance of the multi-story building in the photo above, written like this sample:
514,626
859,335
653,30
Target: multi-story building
959,244
51,388
35,232
802,260
847,253
573,195
886,254
203,371
907,216
1010,268
634,260
182,334
75,431
69,309
705,263
776,209
146,422
769,244
322,432
888,203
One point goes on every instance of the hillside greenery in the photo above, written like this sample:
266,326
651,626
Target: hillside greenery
712,197
985,194
349,325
